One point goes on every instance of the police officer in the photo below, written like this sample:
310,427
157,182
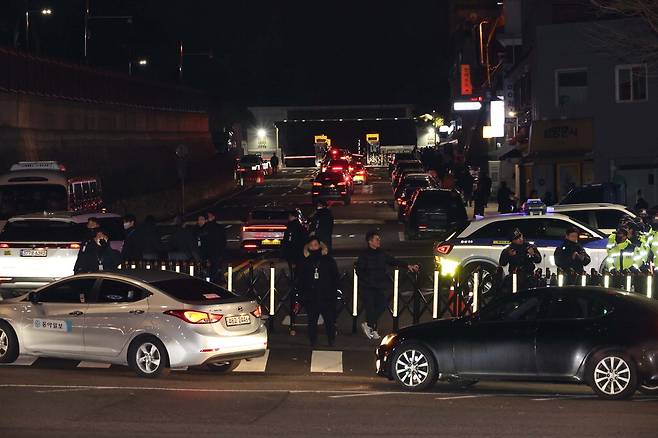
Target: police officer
294,239
131,247
521,258
317,278
322,224
621,251
96,255
571,257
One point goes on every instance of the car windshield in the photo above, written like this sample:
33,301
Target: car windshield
250,159
31,198
332,177
270,215
193,290
42,231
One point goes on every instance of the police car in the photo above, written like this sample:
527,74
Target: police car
602,216
479,243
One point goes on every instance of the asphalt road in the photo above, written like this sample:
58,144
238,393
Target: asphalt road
294,391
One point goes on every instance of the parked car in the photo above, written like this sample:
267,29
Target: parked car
434,213
604,338
599,193
602,216
149,320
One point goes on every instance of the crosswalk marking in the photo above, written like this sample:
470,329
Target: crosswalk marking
25,361
256,365
87,364
327,361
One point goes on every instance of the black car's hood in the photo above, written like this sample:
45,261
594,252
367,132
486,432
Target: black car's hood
430,327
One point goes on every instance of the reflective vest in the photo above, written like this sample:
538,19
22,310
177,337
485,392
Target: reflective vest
652,242
622,255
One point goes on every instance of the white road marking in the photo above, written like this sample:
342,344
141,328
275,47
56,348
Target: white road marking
87,364
326,361
401,236
352,236
361,394
63,390
256,365
462,397
25,361
358,222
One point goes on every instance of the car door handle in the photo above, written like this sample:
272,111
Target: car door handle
76,313
136,312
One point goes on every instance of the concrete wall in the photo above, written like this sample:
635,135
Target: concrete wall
132,149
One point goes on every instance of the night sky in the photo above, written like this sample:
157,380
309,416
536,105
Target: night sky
264,52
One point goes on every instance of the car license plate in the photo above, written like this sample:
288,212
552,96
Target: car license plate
34,253
238,320
271,242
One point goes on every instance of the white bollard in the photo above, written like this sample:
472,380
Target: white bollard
435,298
355,300
560,280
514,283
396,291
583,280
229,280
272,291
606,281
192,270
628,283
148,266
163,267
476,285
208,279
649,286
133,266
177,268
119,267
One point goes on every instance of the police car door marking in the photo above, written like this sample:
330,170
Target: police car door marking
56,325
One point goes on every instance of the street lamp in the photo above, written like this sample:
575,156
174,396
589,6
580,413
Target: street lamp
44,12
261,133
142,62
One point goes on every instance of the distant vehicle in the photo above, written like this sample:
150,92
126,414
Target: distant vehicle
253,163
600,337
338,165
264,228
595,193
435,213
401,174
478,244
333,185
395,158
148,320
401,166
406,189
38,186
360,173
604,217
38,248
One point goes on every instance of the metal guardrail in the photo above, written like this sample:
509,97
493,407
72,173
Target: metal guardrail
416,297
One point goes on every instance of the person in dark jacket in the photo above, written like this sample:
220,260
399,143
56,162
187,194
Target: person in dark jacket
371,270
183,244
93,224
130,251
213,243
149,244
571,257
294,239
96,255
521,258
274,162
322,224
317,280
504,197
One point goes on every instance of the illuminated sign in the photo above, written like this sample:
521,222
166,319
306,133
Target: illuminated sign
372,138
466,85
497,120
467,106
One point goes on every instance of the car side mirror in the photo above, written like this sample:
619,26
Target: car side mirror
33,297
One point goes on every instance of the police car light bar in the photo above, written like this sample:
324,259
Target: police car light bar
36,165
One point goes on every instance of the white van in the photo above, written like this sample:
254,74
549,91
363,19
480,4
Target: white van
38,186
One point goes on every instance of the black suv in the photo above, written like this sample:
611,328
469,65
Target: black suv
434,212
333,186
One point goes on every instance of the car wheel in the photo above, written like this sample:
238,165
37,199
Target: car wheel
8,343
223,367
487,275
413,367
612,375
148,357
649,388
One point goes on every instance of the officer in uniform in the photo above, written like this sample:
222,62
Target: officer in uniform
521,258
622,253
571,257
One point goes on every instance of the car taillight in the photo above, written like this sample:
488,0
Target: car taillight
422,227
336,168
195,316
74,246
4,245
317,184
250,245
258,312
340,184
443,248
350,168
361,172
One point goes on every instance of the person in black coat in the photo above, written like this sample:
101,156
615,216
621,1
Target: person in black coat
371,270
274,163
130,251
149,244
322,224
96,255
183,243
521,258
317,281
571,257
212,237
294,239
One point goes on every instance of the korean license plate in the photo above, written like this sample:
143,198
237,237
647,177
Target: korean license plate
271,242
34,253
238,320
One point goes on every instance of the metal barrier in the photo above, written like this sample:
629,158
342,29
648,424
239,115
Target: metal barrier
416,297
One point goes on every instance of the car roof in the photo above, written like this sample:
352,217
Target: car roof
591,206
478,223
66,216
49,176
143,275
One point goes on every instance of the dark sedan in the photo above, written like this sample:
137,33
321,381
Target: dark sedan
604,338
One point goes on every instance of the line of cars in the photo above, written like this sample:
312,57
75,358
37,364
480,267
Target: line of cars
339,172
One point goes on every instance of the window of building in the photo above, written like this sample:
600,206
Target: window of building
631,83
571,87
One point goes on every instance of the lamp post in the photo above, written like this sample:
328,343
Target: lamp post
88,16
45,12
182,54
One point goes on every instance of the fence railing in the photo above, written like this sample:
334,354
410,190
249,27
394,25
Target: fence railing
412,297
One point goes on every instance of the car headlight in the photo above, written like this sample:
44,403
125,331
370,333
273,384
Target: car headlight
388,339
448,266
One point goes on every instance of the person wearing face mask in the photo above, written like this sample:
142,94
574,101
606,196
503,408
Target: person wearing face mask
317,281
97,255
130,251
521,257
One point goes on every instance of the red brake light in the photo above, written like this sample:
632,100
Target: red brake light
336,168
443,248
258,312
4,245
194,316
250,245
422,227
71,246
317,184
340,184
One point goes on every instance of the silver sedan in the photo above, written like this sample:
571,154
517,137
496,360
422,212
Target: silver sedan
148,320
